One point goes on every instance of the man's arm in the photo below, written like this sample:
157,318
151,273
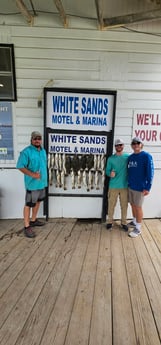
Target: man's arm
26,171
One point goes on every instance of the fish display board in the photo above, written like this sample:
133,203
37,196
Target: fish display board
78,131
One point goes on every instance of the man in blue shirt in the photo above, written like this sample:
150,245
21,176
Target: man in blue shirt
32,162
116,169
140,177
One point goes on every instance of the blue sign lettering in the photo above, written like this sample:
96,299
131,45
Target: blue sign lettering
95,106
65,104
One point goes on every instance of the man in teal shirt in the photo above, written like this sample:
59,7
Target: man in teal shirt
32,162
116,169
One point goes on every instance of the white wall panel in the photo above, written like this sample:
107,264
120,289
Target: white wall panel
68,207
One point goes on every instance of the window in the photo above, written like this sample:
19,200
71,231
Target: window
7,73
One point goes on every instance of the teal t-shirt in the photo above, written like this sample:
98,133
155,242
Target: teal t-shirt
34,160
119,165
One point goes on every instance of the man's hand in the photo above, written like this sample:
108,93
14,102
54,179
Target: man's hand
112,174
36,175
145,192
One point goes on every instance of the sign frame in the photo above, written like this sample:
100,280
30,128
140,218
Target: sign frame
99,120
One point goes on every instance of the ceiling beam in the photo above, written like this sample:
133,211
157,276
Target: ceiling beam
20,4
132,18
99,10
157,1
62,13
34,12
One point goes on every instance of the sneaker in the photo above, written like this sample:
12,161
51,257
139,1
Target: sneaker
29,232
136,232
109,226
124,227
36,223
131,225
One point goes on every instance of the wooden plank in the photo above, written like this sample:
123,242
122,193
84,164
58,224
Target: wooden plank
132,18
154,227
22,7
99,10
9,244
9,265
151,280
152,240
66,293
146,332
101,322
35,325
62,13
57,327
15,290
79,326
123,326
15,322
8,227
91,35
17,259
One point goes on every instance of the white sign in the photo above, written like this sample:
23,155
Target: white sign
6,132
79,111
77,144
147,126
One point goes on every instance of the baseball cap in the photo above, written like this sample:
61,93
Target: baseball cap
136,140
119,142
35,134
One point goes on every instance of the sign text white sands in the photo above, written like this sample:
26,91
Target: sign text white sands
78,111
77,144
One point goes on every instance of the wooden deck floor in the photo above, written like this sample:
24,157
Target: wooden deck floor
77,283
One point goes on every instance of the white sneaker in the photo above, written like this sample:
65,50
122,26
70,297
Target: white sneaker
136,232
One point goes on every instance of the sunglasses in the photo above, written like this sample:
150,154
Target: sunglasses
37,138
119,145
136,143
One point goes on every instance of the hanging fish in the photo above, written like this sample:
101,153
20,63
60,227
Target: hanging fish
52,160
60,161
54,175
73,179
49,160
82,162
75,164
97,179
79,178
102,162
90,162
56,166
63,163
99,162
50,176
68,165
58,179
90,178
95,163
85,180
63,180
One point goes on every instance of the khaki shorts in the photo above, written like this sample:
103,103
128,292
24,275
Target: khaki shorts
32,196
135,198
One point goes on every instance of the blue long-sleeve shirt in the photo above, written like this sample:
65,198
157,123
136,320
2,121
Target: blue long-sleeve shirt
140,171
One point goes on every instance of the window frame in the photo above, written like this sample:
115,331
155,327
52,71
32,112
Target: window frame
12,97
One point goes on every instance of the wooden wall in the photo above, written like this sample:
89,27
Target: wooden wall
121,60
